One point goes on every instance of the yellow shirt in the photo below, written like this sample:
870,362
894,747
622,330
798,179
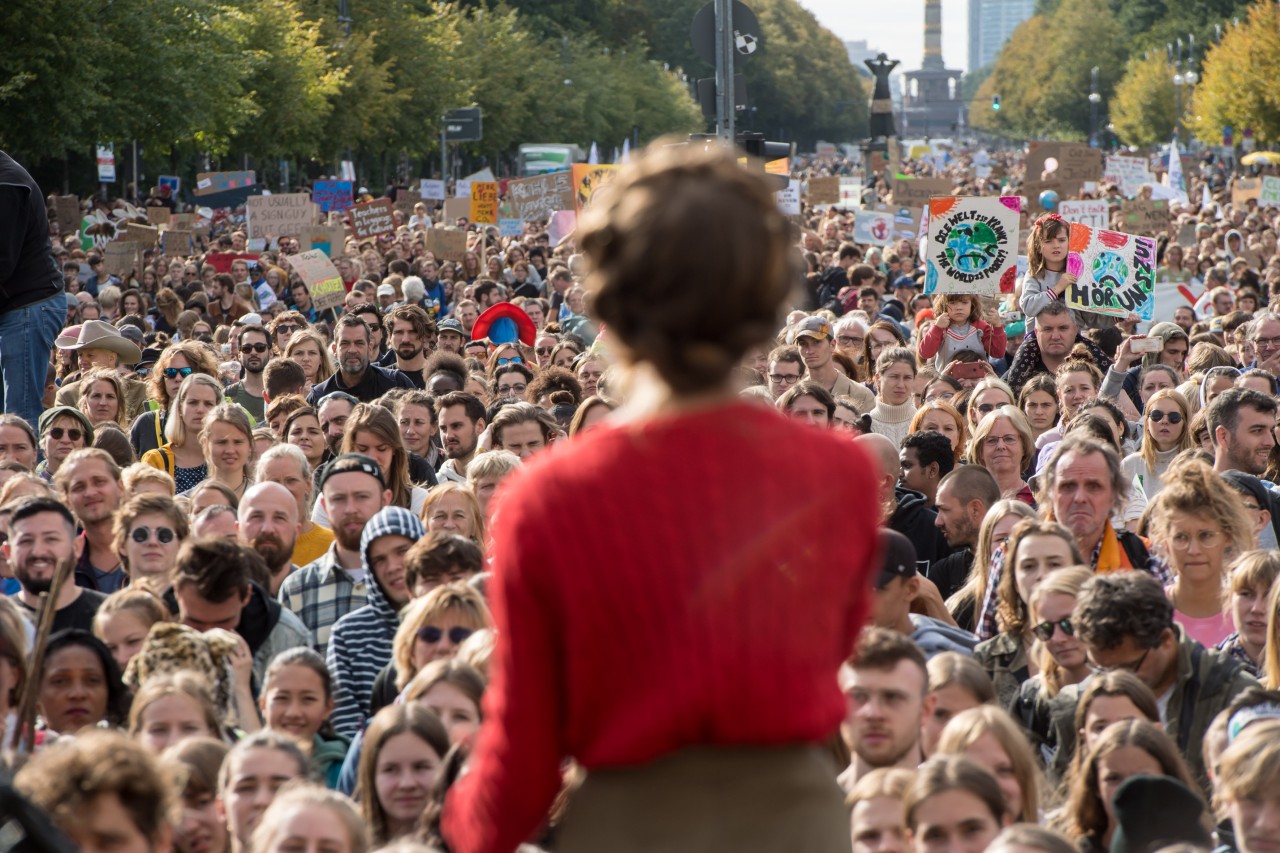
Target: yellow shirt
312,545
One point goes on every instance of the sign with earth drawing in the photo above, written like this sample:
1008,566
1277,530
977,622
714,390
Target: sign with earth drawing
972,245
1115,273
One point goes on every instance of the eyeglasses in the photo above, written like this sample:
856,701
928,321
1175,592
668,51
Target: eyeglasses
1205,539
544,350
1157,416
175,372
996,440
254,347
143,372
432,634
284,329
1132,666
1266,343
518,388
515,359
1045,629
849,341
164,535
58,432
784,378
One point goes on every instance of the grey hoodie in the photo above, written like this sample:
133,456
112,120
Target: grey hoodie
935,637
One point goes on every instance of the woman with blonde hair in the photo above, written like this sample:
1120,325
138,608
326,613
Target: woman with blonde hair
1248,786
102,398
311,818
956,684
126,617
182,456
168,709
1002,443
176,362
953,798
989,394
989,736
228,445
308,349
454,508
141,479
966,602
875,810
1250,581
1060,656
1166,432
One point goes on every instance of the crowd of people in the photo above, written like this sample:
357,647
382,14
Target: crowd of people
571,546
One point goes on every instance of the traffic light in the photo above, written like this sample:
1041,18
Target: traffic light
769,153
995,102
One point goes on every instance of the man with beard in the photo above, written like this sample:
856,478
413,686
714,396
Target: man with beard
886,687
356,374
1242,422
90,483
269,524
1057,334
42,540
352,491
462,420
964,496
254,344
451,336
334,409
413,337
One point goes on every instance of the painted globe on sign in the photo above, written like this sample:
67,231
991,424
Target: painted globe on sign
972,247
1049,200
1110,270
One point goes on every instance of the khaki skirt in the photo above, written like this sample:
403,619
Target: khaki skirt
706,799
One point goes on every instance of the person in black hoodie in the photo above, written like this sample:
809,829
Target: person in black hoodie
33,308
212,588
902,509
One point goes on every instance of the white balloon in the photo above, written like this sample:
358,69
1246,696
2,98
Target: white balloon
1051,164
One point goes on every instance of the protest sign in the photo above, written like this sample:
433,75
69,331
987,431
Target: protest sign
587,181
1145,217
122,258
1173,291
321,277
443,243
1073,163
145,235
462,189
182,221
788,200
1269,193
372,218
561,226
277,215
1244,189
972,245
175,243
873,228
824,190
159,215
510,227
1115,272
210,183
331,195
330,239
542,195
434,190
850,193
484,202
457,208
173,182
1128,173
916,192
1091,213
906,221
66,210
406,200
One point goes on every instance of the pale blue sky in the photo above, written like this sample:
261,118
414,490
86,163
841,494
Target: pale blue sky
895,26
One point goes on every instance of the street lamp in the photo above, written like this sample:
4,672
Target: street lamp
1181,78
1094,100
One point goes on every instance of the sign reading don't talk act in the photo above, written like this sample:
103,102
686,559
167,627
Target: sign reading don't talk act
321,277
1115,272
972,245
278,214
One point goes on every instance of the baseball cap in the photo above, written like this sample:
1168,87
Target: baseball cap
386,290
349,462
451,325
810,327
904,281
250,319
899,557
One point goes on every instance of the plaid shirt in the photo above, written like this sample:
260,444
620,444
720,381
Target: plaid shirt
987,626
1232,646
320,593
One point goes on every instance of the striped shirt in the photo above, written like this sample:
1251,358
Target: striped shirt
359,647
320,593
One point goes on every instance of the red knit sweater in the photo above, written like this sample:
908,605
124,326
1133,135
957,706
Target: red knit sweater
696,580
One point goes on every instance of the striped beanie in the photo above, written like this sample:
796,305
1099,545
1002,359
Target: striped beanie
390,521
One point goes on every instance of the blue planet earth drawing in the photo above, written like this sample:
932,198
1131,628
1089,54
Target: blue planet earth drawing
1110,270
972,247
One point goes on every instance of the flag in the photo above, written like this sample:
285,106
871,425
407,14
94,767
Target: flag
1173,175
593,158
1205,198
626,150
614,158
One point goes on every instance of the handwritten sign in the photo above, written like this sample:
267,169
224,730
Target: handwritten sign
906,221
122,258
1269,193
434,190
587,181
1147,217
824,190
330,239
1115,272
406,200
372,218
321,277
331,195
443,243
210,183
159,215
540,196
145,235
1128,173
872,228
1075,162
789,199
972,245
850,192
277,215
1086,212
484,202
176,243
916,192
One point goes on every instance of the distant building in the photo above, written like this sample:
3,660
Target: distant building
991,22
932,105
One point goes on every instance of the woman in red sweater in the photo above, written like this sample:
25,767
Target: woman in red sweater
683,646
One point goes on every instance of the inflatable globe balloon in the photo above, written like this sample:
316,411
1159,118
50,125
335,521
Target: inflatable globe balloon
1049,200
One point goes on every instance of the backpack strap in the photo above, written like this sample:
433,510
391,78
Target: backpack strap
1134,548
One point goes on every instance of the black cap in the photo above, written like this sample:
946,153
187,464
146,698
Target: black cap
349,462
899,557
1154,812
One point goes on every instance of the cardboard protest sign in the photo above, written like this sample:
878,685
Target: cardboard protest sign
321,277
182,221
1115,272
145,235
1244,189
211,183
66,210
1092,213
873,228
332,195
972,245
1073,162
1128,173
587,181
122,258
447,244
175,243
457,208
406,200
330,239
824,190
1269,193
1145,217
916,192
540,196
158,215
277,215
434,190
906,221
788,200
850,193
484,202
372,218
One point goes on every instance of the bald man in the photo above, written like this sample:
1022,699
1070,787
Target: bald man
269,524
902,509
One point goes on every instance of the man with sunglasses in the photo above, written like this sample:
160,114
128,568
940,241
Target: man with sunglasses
89,483
1125,621
254,344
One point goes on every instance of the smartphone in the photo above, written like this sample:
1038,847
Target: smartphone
1145,345
1008,317
963,370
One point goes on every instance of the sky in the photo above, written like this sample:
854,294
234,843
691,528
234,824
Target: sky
900,32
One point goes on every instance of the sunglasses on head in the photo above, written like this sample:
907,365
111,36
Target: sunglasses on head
515,359
432,634
254,347
1045,629
164,535
73,433
1157,416
175,372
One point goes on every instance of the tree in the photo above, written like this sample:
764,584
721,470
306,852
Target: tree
1144,108
1237,88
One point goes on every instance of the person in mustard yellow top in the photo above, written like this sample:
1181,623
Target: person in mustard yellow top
181,456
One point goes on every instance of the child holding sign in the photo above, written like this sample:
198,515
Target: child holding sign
958,326
1047,277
